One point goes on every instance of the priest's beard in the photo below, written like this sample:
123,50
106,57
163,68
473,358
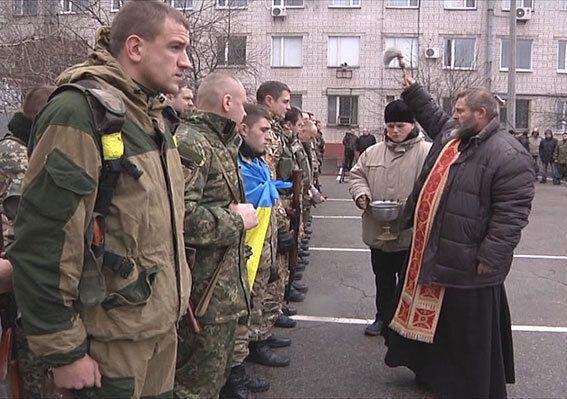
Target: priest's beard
466,130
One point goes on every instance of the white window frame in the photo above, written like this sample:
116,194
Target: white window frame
226,5
71,9
282,54
113,3
452,66
338,63
188,4
284,3
226,64
519,3
337,110
449,5
505,69
18,8
415,45
352,4
562,68
563,5
408,2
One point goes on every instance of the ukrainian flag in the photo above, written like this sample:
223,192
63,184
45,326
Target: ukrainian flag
262,192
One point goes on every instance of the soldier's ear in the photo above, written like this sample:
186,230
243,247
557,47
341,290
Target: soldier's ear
226,102
133,48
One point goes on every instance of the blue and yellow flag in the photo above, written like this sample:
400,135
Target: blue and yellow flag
262,192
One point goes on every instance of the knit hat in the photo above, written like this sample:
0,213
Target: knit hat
398,111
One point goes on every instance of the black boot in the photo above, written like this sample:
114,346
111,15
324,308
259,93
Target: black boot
289,310
295,295
298,275
235,386
261,353
299,286
256,384
276,341
285,322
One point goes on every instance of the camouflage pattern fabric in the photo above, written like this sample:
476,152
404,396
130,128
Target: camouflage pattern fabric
204,360
31,369
13,166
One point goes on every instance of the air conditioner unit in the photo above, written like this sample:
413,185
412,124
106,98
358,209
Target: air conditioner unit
523,14
279,11
432,52
344,120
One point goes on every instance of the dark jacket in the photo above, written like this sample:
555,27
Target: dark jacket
546,149
349,141
485,205
525,142
365,141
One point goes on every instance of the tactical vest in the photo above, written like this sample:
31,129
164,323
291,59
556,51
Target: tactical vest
108,112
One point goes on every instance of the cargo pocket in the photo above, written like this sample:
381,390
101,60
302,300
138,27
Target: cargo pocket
63,183
112,388
134,294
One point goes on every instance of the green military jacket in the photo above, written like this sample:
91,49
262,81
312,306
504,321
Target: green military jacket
561,152
13,166
214,235
144,223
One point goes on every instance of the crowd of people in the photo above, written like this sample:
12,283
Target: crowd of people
154,238
549,154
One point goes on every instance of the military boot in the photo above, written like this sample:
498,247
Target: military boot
235,386
284,321
289,310
295,295
261,353
299,286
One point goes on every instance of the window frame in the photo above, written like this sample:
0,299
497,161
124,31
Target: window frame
464,7
357,65
337,110
561,43
519,3
113,3
282,3
505,69
403,7
504,117
562,5
72,7
415,41
297,104
186,7
229,7
227,47
453,67
350,5
21,7
282,42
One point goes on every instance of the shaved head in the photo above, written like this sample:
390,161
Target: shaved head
222,94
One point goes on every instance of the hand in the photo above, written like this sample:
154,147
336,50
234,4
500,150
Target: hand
483,268
5,276
82,373
247,213
362,202
285,240
408,81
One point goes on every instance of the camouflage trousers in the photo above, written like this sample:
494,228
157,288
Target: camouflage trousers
31,369
204,360
134,369
276,290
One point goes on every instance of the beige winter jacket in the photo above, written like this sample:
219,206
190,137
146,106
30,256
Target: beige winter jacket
387,171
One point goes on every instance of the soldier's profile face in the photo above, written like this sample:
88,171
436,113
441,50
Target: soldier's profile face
164,59
258,135
282,104
183,101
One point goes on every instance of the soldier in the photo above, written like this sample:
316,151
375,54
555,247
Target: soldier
104,195
13,165
216,219
275,97
182,101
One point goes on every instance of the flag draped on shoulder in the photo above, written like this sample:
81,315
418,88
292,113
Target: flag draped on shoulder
262,192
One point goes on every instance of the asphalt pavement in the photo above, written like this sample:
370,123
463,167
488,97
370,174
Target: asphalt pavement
332,358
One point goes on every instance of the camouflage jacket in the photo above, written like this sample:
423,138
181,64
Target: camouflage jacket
214,235
13,166
144,223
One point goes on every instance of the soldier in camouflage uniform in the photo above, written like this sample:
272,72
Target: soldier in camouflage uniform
13,165
122,344
215,223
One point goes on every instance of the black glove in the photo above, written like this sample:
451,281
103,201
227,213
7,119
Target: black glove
247,252
285,240
274,275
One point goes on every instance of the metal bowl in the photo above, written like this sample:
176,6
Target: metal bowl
385,211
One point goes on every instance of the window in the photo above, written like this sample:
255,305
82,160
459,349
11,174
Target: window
180,4
71,6
563,4
232,3
562,59
24,7
343,50
523,55
519,3
447,105
402,3
460,4
288,3
390,98
343,110
561,112
287,51
344,3
522,114
231,51
116,4
408,46
459,53
296,100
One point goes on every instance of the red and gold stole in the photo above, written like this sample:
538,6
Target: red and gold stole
419,307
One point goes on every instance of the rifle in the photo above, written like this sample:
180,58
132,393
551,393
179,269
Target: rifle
294,224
